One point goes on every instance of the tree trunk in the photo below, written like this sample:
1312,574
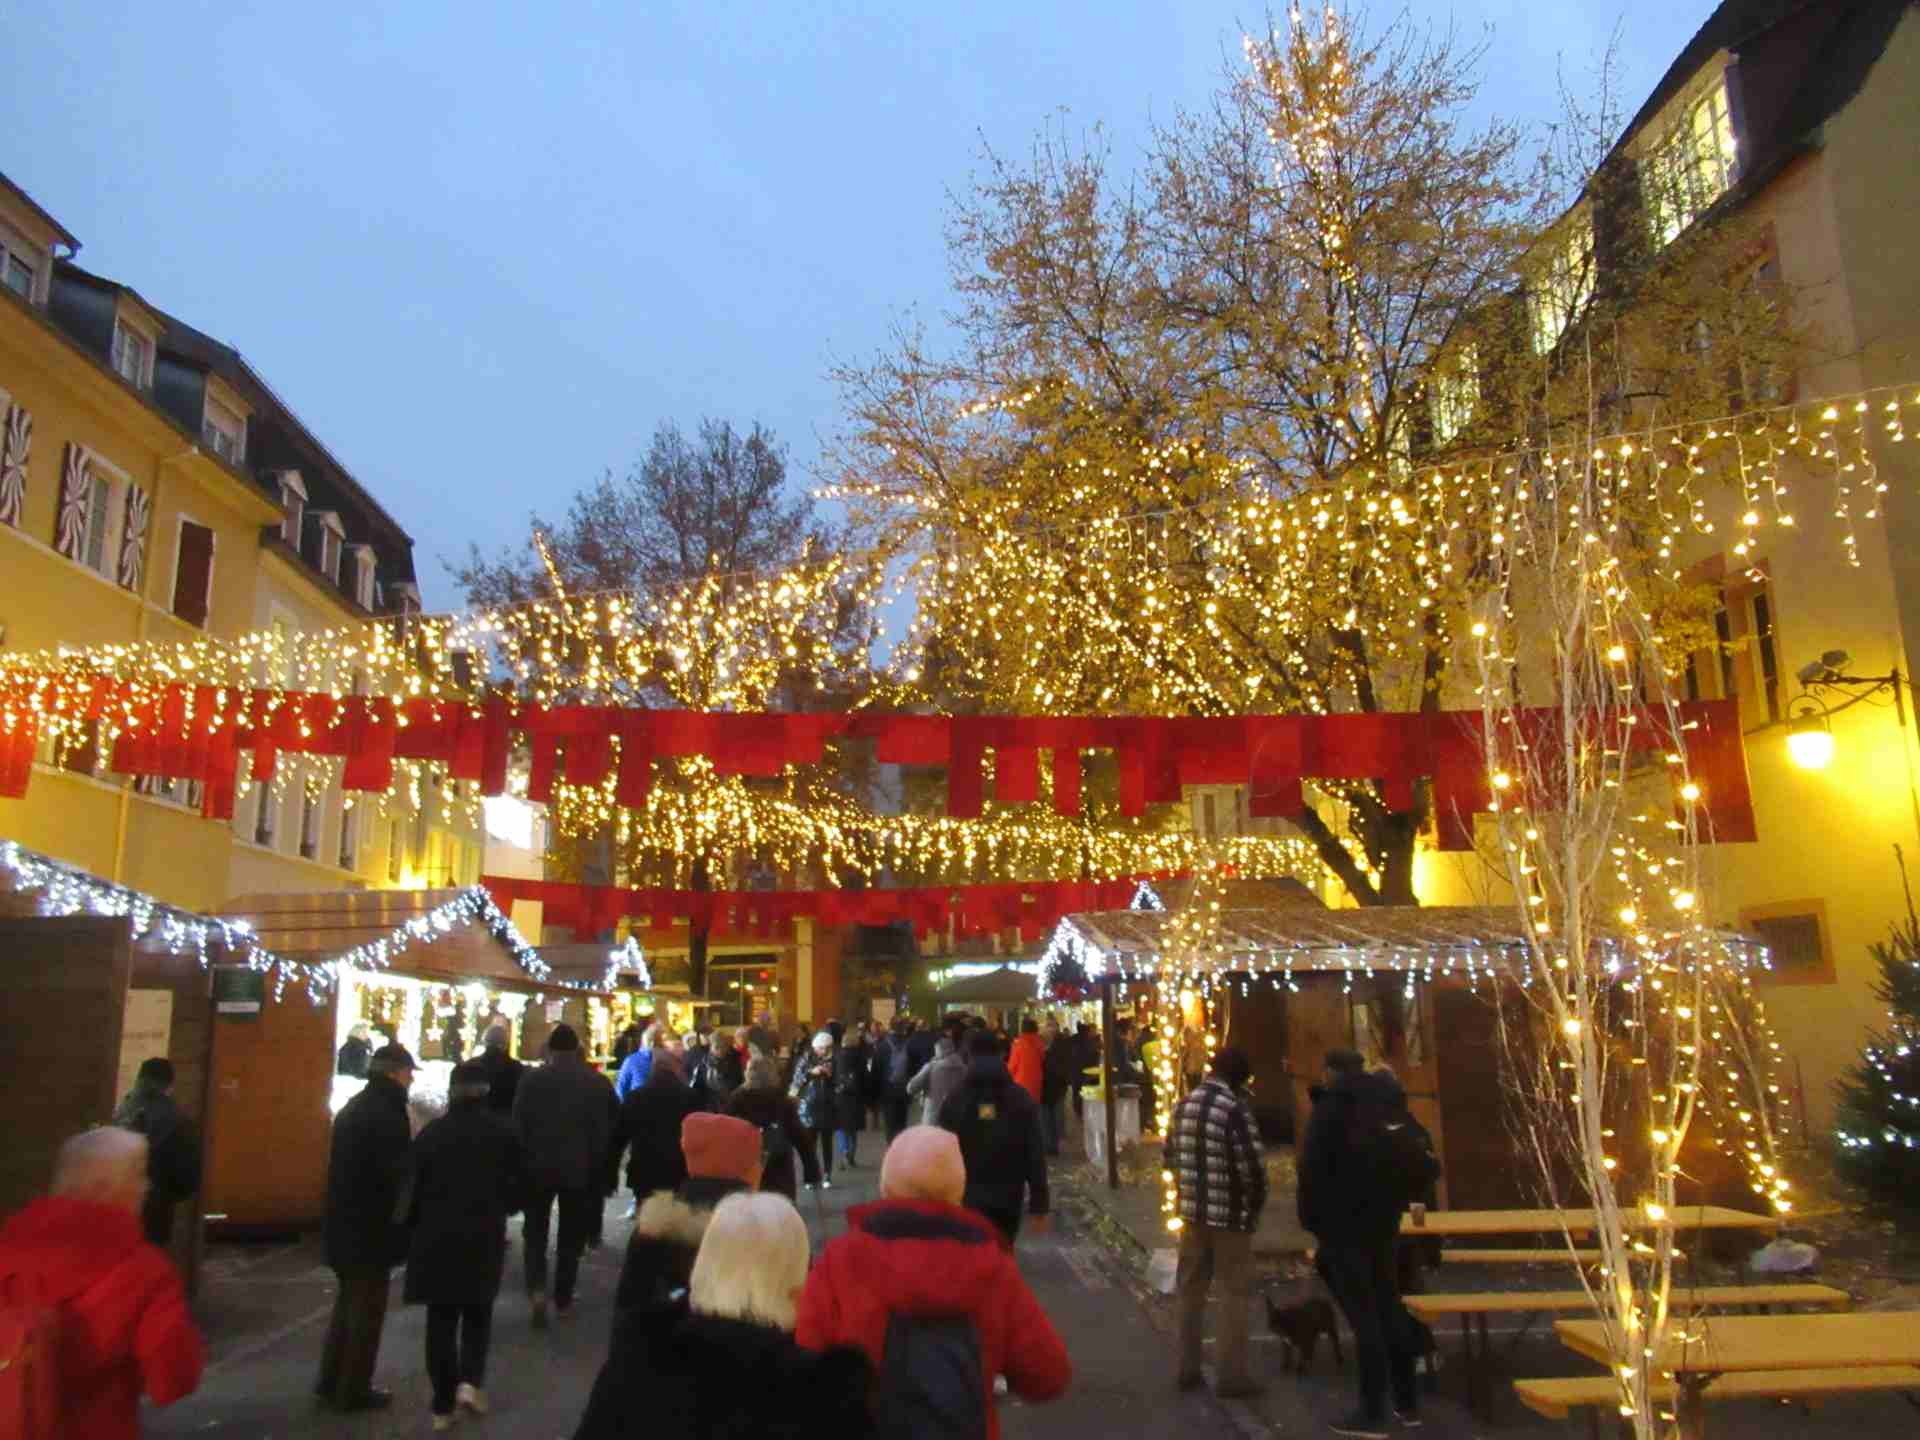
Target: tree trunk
697,937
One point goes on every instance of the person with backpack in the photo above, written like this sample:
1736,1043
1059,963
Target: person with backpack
1220,1180
721,1363
784,1141
468,1176
898,1050
926,1289
92,1316
1361,1165
998,1125
938,1078
173,1148
851,1079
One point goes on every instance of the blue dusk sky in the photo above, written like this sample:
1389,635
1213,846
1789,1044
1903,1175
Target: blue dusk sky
483,249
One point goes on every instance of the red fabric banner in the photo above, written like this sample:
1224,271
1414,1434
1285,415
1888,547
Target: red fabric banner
970,910
175,737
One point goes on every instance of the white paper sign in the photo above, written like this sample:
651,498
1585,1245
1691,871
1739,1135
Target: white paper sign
144,1034
556,1011
883,1010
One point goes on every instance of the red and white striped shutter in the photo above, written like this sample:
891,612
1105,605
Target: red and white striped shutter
76,504
15,446
133,539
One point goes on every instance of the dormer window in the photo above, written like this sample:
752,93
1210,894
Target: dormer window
19,267
1692,162
132,355
404,597
225,431
333,539
293,499
363,575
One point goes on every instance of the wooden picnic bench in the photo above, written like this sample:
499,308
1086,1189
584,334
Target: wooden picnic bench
1536,1255
1701,1354
1558,1399
1474,1307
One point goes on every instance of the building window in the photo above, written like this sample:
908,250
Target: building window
264,816
187,793
132,355
396,850
349,836
1691,165
1743,663
1795,933
363,575
225,431
310,810
193,573
1454,393
293,499
1561,282
19,264
332,540
96,552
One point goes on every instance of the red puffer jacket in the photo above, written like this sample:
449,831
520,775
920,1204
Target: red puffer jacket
922,1257
126,1326
1027,1063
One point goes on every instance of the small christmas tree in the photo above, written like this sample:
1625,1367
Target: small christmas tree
1879,1110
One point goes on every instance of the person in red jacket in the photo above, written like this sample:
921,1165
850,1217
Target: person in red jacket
1027,1059
917,1274
117,1301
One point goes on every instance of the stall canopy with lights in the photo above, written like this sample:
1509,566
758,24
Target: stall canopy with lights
1418,989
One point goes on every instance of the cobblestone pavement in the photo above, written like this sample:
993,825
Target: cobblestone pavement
265,1308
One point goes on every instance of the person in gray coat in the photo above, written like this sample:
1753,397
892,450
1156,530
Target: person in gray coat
939,1077
562,1113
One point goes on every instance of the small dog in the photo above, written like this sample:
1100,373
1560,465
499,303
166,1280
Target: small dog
1300,1326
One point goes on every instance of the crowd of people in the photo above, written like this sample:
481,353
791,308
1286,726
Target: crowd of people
909,1323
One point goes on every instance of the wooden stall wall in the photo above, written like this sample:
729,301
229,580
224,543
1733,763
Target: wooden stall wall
1485,1168
1257,1023
269,1124
1318,1020
63,990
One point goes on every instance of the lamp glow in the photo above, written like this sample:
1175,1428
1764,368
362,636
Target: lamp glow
1810,742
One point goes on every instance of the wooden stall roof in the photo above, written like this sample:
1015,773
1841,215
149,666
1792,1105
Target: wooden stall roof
1005,986
313,927
1239,892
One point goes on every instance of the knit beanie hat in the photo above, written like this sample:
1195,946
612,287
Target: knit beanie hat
719,1147
924,1163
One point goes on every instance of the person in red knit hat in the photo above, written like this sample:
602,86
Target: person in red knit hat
723,1157
928,1291
79,1260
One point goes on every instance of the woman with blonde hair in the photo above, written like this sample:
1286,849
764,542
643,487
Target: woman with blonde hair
720,1361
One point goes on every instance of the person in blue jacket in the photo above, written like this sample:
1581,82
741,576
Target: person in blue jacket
635,1069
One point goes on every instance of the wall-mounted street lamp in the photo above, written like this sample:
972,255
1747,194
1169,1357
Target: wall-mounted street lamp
1810,719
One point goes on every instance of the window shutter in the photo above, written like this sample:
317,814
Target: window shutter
193,574
133,539
14,448
76,502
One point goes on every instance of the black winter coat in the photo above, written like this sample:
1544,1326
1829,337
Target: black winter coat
1341,1198
368,1169
998,1125
666,1237
1059,1070
850,1082
563,1113
702,1377
468,1177
649,1131
770,1108
503,1080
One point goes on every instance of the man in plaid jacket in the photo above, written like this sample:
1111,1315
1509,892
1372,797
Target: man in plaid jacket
1213,1150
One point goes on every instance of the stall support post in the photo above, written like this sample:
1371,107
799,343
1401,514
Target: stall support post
1106,1080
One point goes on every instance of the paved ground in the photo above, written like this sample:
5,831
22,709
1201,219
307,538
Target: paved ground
265,1308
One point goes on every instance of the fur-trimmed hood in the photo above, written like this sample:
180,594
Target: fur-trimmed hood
666,1235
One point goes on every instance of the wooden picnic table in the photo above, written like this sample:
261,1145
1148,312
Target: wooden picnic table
1737,1344
1458,1224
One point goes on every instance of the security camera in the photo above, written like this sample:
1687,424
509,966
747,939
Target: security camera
1825,668
1813,670
1835,660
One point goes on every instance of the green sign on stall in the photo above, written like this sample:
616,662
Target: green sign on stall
239,992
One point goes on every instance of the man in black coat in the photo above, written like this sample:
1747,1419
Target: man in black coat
648,1129
173,1147
468,1177
364,1235
998,1125
563,1114
1360,1166
503,1073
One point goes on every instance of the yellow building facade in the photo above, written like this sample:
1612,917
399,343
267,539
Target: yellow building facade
153,490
